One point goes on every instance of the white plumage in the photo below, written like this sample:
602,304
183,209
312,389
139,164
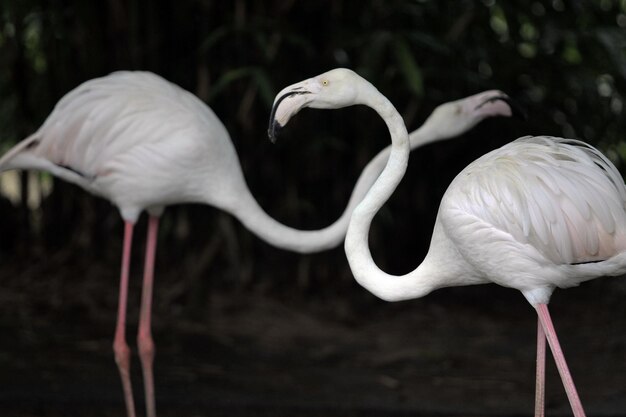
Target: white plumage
536,214
139,141
549,211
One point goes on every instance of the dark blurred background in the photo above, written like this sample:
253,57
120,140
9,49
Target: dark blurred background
243,328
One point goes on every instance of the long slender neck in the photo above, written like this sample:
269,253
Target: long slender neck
255,219
388,287
241,203
425,134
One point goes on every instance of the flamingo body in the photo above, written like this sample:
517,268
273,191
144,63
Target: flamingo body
138,141
537,214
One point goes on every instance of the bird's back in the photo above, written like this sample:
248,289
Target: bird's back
561,197
136,139
105,117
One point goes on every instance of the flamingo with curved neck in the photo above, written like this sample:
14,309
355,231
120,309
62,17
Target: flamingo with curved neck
537,214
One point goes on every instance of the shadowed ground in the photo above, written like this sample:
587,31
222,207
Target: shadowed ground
458,352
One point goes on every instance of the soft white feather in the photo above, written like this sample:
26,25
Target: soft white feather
536,214
561,198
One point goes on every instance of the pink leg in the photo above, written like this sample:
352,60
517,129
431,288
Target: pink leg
120,347
144,336
540,387
566,377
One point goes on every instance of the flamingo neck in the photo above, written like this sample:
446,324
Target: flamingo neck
417,283
242,204
425,134
254,218
248,211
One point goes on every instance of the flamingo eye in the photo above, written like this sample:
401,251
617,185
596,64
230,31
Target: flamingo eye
324,83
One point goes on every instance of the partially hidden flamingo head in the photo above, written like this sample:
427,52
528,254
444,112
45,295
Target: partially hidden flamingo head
334,89
455,117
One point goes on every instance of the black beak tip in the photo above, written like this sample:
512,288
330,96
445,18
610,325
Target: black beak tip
517,110
273,130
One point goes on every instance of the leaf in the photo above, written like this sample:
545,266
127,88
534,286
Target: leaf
258,76
429,41
215,36
264,85
408,66
226,79
373,54
614,42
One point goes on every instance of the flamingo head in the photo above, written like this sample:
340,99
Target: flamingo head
455,117
334,89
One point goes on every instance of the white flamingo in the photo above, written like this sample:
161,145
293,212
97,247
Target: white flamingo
144,143
537,214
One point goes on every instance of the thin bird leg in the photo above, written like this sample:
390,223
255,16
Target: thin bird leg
144,336
540,382
120,347
561,364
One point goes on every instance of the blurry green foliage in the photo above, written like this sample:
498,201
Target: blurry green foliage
564,61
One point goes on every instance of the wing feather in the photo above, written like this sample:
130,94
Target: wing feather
105,117
560,195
